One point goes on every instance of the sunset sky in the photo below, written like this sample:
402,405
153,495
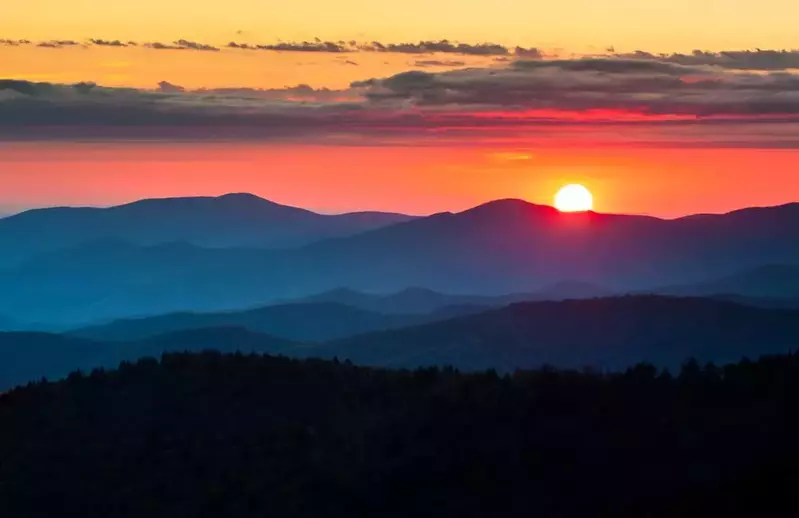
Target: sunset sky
665,108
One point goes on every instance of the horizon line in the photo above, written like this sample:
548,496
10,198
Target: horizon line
322,212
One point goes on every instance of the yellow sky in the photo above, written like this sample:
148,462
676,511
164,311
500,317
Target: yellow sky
144,68
576,25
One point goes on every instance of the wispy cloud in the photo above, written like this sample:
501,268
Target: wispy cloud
422,47
112,43
441,46
424,63
169,88
14,43
740,59
57,44
182,45
754,59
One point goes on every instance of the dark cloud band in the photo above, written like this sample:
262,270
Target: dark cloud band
518,97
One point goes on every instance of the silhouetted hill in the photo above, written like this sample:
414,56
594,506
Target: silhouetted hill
600,333
770,281
422,300
761,302
507,246
301,322
29,356
233,220
246,436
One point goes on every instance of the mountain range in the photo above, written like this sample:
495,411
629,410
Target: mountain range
423,300
309,322
609,333
506,246
769,281
233,220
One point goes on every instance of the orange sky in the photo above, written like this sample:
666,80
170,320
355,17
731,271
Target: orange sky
666,170
666,183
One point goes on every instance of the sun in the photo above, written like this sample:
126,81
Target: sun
574,198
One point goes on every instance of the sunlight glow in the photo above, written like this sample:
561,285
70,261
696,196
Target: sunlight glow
574,198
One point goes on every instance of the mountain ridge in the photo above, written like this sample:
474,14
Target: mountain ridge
237,219
508,246
607,333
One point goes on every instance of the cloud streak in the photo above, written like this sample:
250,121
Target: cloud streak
57,44
112,43
182,45
425,63
419,48
14,43
756,59
770,60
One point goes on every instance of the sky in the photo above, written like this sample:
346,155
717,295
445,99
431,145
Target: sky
663,108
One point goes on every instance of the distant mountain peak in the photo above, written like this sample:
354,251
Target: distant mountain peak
510,203
241,195
246,197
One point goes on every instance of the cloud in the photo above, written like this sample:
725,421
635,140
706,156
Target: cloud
421,47
643,87
302,46
737,60
607,100
196,46
299,93
14,43
84,109
244,46
441,46
57,44
169,88
111,43
424,63
529,53
182,45
756,60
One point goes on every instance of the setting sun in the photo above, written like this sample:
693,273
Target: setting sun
574,198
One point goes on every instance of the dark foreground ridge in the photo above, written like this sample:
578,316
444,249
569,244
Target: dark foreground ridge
245,436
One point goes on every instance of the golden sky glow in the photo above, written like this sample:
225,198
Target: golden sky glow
144,68
416,180
579,25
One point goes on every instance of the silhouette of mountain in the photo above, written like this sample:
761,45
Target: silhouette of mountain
233,220
300,322
245,436
761,302
29,356
770,281
422,300
507,246
601,333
